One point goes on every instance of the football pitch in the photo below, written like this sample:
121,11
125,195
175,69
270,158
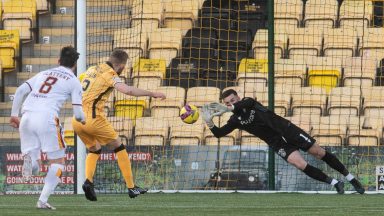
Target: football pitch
238,204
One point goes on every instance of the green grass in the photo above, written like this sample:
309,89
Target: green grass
199,204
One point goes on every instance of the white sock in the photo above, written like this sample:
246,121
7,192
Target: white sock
334,181
51,181
349,177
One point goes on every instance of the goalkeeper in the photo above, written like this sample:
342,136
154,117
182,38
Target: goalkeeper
281,135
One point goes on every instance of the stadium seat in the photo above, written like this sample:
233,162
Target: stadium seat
19,15
340,42
169,107
260,44
148,73
123,126
330,131
229,139
248,139
288,12
251,14
199,96
359,71
290,72
324,72
130,106
344,101
361,135
320,13
355,14
309,101
373,101
281,102
180,14
303,42
9,48
147,14
304,121
165,43
186,134
372,43
253,71
42,5
133,41
151,131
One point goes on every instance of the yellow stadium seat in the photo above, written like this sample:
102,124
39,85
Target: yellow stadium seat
186,134
165,43
129,106
199,96
304,121
253,71
151,131
19,15
148,73
281,102
260,44
309,101
180,14
123,126
42,5
170,107
344,101
9,48
326,79
320,13
356,14
229,139
69,134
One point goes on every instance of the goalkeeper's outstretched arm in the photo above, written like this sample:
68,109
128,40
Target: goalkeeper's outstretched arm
222,131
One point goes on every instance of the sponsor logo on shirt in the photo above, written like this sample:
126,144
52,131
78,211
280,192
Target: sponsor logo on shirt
250,118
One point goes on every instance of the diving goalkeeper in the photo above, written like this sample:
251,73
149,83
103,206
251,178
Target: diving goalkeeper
281,135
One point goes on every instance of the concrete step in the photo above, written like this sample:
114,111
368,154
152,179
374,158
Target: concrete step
95,6
66,35
5,108
93,20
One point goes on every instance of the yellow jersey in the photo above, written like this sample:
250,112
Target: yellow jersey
98,83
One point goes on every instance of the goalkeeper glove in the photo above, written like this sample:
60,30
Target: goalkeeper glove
207,116
219,108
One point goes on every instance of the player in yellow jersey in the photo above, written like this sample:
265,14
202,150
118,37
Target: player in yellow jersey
98,83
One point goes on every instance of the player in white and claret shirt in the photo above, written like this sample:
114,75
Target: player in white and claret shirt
40,129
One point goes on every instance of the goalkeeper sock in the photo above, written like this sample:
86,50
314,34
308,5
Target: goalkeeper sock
51,180
317,174
335,163
124,165
91,163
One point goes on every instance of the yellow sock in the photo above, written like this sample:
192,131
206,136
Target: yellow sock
125,167
90,165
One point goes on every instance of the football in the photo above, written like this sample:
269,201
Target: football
189,114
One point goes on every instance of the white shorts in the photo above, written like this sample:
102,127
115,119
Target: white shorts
40,131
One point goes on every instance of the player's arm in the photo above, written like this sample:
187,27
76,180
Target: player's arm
130,90
245,103
77,107
22,91
217,132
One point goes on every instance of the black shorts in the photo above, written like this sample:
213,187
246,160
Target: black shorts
294,139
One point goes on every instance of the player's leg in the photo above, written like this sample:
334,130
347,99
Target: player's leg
336,164
52,143
86,134
125,168
30,147
296,159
